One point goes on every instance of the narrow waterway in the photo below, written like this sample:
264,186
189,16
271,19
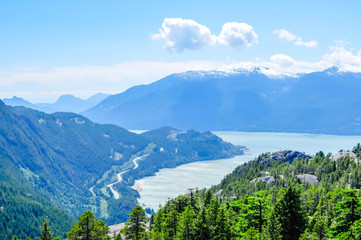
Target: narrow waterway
169,183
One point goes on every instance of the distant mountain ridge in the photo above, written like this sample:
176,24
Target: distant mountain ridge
254,99
65,103
71,161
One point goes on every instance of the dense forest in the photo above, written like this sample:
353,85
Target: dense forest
61,165
284,195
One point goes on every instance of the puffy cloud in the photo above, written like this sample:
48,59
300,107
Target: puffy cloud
288,36
237,35
180,34
341,56
282,60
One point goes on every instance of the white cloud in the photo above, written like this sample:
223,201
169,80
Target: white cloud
309,44
341,56
180,34
282,60
288,36
83,81
38,85
237,35
284,34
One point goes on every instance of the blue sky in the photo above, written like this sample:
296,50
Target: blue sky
49,48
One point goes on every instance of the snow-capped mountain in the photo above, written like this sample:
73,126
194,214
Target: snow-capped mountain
248,99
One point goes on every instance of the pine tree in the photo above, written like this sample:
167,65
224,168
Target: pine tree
202,229
171,225
222,230
208,198
135,226
272,230
290,214
46,234
187,224
348,211
88,228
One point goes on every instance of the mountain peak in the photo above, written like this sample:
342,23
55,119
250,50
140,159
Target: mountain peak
339,69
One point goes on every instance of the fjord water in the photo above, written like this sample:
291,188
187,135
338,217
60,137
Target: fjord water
169,183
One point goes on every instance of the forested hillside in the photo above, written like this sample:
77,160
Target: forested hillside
284,195
23,209
74,163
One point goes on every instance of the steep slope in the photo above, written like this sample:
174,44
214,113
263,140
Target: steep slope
321,102
200,100
76,162
245,100
23,208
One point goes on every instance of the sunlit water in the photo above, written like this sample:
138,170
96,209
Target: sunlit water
169,183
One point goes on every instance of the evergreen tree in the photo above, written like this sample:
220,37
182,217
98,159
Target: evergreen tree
202,229
208,198
290,214
89,228
187,224
348,211
135,226
222,230
158,221
212,213
251,234
272,230
171,225
46,234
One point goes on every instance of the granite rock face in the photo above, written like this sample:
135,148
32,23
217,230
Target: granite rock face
265,179
339,155
312,179
286,155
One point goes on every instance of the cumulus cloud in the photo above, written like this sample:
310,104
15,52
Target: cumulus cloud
288,36
237,35
340,55
282,60
180,34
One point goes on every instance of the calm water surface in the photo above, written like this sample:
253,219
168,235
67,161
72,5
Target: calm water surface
169,183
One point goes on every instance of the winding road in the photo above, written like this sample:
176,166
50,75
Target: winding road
119,175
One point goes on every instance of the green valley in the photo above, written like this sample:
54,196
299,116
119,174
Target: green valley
70,161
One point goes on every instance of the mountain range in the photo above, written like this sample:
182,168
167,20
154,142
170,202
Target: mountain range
63,164
323,102
65,103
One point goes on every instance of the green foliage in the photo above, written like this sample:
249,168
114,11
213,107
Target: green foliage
89,228
71,160
135,226
46,234
284,209
290,215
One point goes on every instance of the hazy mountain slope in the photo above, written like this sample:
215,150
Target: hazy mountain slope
65,103
321,102
23,208
200,100
16,101
73,160
246,100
